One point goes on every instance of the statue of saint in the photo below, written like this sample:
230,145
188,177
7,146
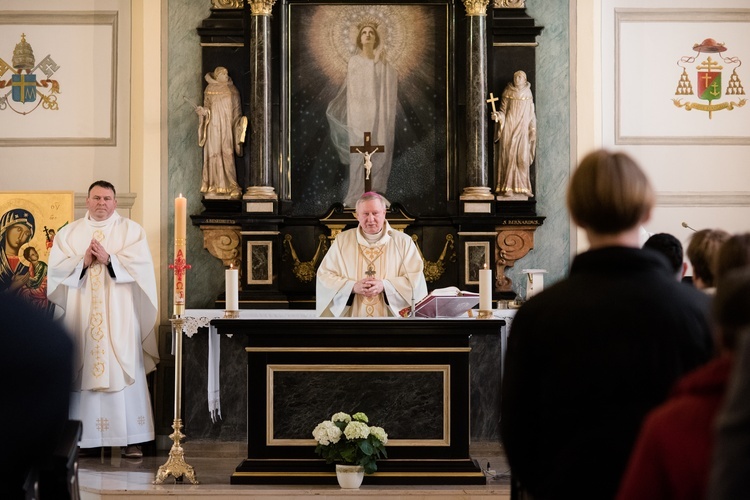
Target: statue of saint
221,133
515,139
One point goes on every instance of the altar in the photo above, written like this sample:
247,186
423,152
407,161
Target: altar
410,376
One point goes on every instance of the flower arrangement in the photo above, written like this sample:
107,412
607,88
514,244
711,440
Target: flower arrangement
350,440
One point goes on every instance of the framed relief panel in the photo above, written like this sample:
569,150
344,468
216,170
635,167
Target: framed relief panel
58,78
679,77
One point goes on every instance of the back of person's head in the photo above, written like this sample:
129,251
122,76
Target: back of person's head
701,252
670,247
733,254
730,307
609,193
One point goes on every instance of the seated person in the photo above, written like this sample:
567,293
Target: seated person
672,457
671,248
701,252
371,270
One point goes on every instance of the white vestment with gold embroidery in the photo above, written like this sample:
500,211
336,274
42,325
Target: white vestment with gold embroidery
112,321
393,258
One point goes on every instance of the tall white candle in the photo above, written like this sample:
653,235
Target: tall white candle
180,254
485,289
231,276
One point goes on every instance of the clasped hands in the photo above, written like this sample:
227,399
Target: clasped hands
369,287
95,252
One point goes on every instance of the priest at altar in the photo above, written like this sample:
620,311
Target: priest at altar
371,270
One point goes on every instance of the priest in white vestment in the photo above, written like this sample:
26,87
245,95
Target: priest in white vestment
102,276
371,270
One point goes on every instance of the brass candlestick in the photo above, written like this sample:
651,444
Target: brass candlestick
484,314
175,464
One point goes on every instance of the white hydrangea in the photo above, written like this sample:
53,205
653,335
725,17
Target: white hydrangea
361,417
326,433
356,430
379,433
341,417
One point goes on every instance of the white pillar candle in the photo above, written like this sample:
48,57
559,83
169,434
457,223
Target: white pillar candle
485,289
231,277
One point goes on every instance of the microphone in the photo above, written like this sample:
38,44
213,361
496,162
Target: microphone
685,225
411,285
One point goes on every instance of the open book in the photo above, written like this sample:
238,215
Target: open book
447,302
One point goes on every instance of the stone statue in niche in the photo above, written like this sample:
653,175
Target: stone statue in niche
221,134
515,140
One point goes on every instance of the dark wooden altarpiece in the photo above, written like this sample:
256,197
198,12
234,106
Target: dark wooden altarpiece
278,240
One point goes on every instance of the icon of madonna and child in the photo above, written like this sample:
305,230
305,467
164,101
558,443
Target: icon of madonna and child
22,272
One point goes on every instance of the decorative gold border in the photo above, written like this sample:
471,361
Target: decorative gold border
249,269
58,18
485,245
271,369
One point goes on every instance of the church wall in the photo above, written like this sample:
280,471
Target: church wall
700,170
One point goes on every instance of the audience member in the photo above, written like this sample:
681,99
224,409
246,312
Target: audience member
671,248
730,467
591,355
733,254
36,362
701,252
672,456
730,470
101,274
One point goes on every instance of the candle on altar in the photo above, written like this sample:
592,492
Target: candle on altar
485,289
231,276
180,209
180,254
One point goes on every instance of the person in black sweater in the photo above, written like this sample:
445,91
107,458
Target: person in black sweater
591,355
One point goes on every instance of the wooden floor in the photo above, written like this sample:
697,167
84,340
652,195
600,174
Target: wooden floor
109,476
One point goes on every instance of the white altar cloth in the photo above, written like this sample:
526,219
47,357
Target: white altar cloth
201,318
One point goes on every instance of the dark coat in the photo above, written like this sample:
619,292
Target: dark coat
587,359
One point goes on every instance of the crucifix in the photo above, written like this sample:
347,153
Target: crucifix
367,150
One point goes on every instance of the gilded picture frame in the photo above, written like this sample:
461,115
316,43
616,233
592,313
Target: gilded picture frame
413,43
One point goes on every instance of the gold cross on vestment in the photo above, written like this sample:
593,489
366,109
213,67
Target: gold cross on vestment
370,271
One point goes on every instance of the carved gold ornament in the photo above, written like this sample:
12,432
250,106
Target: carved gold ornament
305,271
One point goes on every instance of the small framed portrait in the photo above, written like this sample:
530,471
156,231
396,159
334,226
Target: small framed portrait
477,255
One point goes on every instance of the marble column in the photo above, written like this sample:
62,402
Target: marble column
476,109
259,182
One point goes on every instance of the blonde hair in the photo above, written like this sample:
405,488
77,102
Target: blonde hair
609,193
